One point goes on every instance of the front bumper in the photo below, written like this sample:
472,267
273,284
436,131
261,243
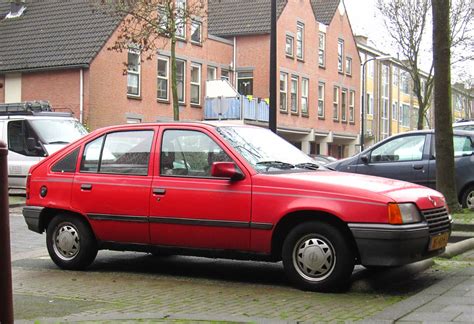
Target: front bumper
393,245
32,216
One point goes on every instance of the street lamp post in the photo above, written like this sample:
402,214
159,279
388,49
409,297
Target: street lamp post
272,122
362,110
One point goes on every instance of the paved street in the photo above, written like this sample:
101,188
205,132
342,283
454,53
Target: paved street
134,286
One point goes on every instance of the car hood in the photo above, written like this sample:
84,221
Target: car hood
357,187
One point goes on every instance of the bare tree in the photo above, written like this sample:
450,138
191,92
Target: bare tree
150,25
408,22
445,176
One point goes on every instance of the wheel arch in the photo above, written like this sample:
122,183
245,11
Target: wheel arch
289,221
463,191
49,213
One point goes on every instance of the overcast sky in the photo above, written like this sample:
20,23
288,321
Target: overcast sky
367,20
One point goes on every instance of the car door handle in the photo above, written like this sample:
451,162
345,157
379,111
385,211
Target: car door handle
418,166
159,191
86,186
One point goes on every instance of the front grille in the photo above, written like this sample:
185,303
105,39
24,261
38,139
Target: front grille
438,220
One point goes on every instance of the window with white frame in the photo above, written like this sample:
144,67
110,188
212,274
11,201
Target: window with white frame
300,40
180,19
404,82
321,99
344,105
294,94
162,18
196,32
351,106
283,91
395,73
163,78
335,104
196,84
348,65
289,45
245,83
340,55
370,104
322,49
304,96
225,75
133,72
211,73
181,80
405,115
395,110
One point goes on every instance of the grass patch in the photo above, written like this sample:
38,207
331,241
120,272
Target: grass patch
16,200
464,216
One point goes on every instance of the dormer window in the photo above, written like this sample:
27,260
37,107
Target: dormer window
17,7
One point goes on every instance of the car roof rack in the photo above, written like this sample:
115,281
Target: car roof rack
32,108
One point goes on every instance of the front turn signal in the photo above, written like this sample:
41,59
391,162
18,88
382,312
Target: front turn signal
394,214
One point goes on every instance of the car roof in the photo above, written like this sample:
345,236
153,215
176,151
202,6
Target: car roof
206,124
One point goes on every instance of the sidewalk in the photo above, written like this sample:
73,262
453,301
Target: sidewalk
448,301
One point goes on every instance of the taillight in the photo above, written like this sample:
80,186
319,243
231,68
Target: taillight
28,181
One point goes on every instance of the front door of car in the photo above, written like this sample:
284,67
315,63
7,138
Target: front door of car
113,185
403,158
191,208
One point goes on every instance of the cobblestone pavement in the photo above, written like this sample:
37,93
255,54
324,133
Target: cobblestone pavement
140,287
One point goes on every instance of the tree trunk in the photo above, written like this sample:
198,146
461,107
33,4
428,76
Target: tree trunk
174,81
421,114
445,179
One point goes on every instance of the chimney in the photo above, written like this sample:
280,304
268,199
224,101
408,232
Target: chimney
361,39
17,7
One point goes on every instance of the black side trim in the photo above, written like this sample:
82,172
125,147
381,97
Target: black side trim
118,218
180,221
17,176
198,222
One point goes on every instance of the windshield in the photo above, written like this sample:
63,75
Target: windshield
58,131
266,151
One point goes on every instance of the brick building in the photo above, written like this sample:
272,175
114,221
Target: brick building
57,51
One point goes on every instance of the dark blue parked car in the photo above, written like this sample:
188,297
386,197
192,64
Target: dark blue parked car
411,157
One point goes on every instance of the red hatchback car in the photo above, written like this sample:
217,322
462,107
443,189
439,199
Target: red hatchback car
224,190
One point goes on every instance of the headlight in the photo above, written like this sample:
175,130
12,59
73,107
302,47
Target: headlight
403,214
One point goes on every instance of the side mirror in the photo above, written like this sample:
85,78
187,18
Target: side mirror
364,159
226,170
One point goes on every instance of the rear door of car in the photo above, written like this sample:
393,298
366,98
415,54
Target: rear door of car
189,207
112,186
402,157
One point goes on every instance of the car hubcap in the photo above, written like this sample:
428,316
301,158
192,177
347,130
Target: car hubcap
66,241
314,258
470,200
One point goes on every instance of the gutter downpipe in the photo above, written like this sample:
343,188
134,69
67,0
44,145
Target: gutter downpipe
81,95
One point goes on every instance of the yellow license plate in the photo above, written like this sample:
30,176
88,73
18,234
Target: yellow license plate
438,241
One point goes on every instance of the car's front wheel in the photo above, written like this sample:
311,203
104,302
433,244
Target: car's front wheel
318,257
467,199
70,242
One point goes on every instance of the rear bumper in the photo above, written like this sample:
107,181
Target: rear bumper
392,245
32,216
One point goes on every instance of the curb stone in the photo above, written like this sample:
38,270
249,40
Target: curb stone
458,248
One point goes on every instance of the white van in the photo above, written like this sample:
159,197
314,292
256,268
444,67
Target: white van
32,130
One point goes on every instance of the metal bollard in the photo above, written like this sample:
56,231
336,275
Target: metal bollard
6,294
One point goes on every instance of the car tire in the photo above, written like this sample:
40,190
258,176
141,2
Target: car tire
467,199
318,257
70,242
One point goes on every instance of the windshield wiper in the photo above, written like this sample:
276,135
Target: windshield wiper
58,142
307,165
276,164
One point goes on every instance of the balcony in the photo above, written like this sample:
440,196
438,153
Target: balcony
236,108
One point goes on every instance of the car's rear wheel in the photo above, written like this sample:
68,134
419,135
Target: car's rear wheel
70,242
318,257
468,198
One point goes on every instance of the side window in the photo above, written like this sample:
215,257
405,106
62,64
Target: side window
23,140
462,146
406,148
119,153
67,163
189,153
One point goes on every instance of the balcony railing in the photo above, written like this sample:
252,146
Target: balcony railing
236,109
